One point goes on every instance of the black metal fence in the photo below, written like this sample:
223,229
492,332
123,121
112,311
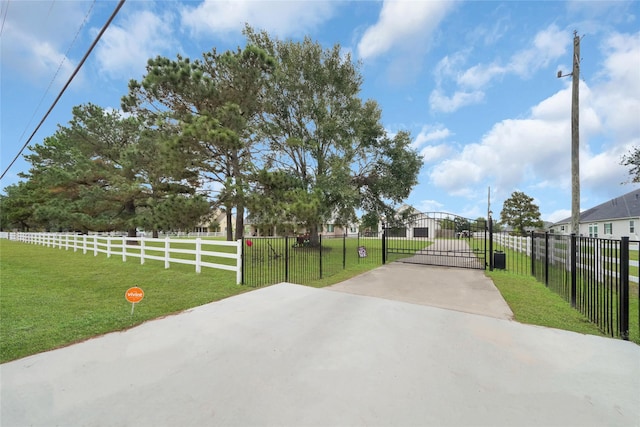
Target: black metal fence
302,260
591,274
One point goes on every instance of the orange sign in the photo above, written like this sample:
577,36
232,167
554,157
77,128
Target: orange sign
134,295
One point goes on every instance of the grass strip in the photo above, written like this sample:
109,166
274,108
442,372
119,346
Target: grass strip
51,297
533,303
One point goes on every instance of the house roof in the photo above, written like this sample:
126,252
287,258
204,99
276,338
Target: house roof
625,206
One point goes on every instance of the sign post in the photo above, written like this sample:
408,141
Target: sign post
134,295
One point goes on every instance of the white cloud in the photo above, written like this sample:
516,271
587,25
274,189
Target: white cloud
281,18
431,153
448,67
471,83
431,133
548,44
602,171
125,49
457,175
480,75
35,37
403,25
448,104
512,151
429,206
618,100
534,151
556,216
490,35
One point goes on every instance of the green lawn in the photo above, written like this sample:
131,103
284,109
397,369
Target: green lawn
533,303
51,297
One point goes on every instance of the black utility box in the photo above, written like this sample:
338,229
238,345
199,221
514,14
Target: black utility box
499,260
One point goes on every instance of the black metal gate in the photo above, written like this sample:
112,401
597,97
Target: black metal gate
437,238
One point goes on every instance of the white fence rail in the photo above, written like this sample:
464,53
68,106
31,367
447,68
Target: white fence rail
517,243
143,248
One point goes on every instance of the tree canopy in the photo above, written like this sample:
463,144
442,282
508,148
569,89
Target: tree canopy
520,212
326,151
106,172
278,127
214,102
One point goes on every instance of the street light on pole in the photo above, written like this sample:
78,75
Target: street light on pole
575,136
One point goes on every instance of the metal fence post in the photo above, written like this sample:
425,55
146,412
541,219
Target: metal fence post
320,239
242,264
286,258
532,254
623,305
574,268
384,244
546,258
344,250
490,244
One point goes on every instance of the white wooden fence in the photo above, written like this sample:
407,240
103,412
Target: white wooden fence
517,243
523,244
143,248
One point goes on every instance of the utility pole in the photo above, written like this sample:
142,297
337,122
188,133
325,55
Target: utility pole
575,136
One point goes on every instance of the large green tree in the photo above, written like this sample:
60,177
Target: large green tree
214,101
107,172
325,140
520,212
17,206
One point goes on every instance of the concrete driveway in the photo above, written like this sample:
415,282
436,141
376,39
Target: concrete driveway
460,289
299,356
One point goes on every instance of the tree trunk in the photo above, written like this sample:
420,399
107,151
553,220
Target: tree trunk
155,233
130,212
229,225
314,239
239,222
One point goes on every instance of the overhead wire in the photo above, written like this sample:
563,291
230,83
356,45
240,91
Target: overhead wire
77,69
64,57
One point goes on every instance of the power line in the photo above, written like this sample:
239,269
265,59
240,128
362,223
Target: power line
80,64
66,55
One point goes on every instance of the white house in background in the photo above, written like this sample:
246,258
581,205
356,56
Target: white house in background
416,224
339,230
217,222
619,217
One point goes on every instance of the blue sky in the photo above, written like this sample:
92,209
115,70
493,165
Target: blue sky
474,82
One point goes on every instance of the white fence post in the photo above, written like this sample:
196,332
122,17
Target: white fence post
142,250
95,245
108,246
198,254
166,252
84,243
124,248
